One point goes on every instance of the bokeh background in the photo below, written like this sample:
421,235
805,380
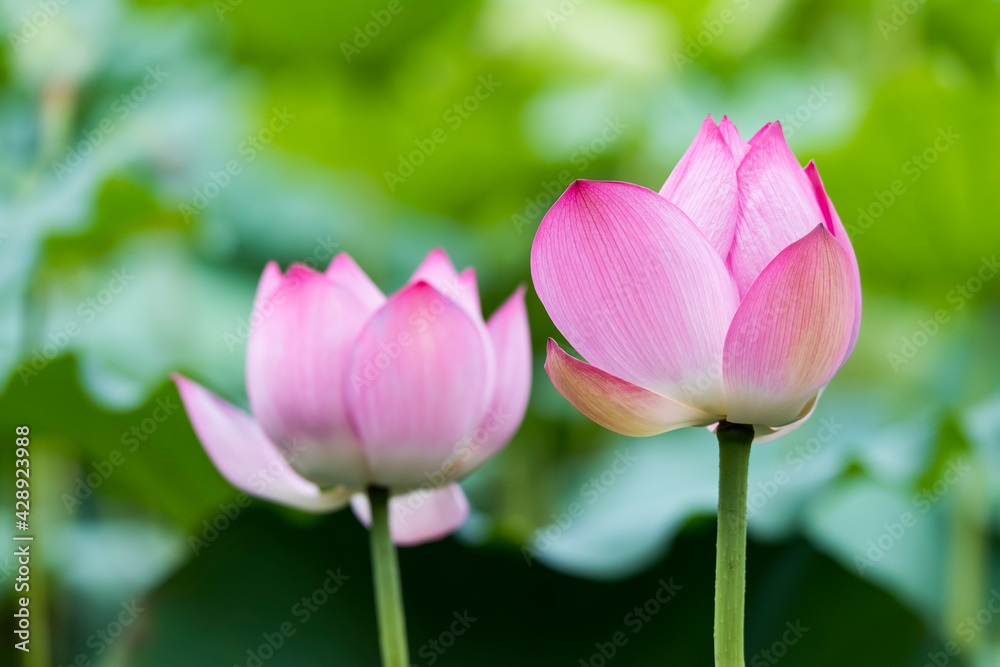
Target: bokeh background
154,155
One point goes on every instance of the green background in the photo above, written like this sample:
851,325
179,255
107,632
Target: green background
101,168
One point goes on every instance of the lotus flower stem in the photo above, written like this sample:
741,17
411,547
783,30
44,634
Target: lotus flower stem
388,591
731,550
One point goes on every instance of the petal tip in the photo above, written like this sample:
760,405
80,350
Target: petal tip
299,271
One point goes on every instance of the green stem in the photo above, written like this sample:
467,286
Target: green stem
731,550
388,591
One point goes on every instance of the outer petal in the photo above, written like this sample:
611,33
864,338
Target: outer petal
440,273
732,136
636,289
777,205
789,337
345,272
508,329
270,281
614,403
703,185
423,515
244,455
296,361
836,227
422,376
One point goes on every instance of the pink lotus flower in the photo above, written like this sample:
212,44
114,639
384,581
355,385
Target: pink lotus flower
733,294
350,389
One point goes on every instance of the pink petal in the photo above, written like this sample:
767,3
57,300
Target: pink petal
777,205
735,142
423,515
614,403
703,185
508,329
636,289
469,291
421,379
836,227
345,272
440,273
244,455
790,334
298,353
761,132
269,282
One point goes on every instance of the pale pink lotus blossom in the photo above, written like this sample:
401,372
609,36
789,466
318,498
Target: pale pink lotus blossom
732,294
350,389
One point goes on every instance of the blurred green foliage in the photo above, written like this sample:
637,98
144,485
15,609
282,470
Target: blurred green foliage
106,168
